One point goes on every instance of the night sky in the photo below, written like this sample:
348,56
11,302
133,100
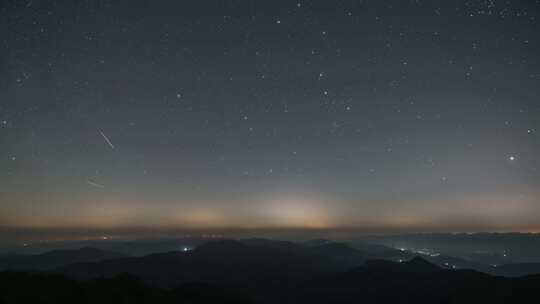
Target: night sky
372,115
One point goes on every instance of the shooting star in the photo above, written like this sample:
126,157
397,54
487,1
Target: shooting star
106,139
94,184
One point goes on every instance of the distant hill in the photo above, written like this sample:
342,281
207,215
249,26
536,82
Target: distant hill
270,243
516,270
55,258
416,281
340,254
232,262
484,248
270,272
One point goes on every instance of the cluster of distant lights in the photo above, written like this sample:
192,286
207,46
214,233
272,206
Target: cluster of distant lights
212,236
428,252
106,238
184,249
423,251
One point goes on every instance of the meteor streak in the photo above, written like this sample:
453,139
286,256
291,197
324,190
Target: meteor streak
106,139
94,184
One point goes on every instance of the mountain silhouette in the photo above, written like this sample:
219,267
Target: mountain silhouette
515,270
262,271
31,288
56,258
415,265
415,281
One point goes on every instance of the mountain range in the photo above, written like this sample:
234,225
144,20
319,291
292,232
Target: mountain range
251,271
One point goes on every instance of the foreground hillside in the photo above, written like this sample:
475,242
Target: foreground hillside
23,288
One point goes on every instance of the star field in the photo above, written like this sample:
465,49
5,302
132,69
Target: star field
405,115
